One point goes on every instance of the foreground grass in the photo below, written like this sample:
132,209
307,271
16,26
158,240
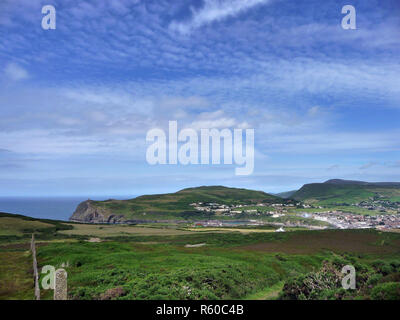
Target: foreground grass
231,265
16,280
165,271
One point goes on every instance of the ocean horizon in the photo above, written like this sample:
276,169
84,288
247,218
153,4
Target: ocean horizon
56,208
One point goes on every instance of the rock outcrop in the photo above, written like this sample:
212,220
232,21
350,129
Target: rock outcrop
89,213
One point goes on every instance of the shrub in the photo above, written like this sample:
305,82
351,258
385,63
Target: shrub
383,267
314,285
374,279
386,291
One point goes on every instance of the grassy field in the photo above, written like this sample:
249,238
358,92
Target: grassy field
136,262
241,230
230,266
16,226
120,230
16,280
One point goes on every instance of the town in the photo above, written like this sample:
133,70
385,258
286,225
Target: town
331,218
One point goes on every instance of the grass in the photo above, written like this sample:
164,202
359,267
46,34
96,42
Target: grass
17,226
168,271
269,293
177,205
333,194
16,280
310,242
119,230
241,230
136,262
223,269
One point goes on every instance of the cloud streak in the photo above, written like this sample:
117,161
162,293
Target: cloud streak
215,10
14,72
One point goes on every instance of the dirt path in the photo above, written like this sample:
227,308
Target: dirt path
270,293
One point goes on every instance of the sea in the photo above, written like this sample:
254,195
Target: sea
56,208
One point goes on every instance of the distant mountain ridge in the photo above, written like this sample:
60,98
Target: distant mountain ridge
286,194
339,191
355,182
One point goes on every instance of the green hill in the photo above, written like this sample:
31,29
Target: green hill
16,225
348,192
168,206
286,194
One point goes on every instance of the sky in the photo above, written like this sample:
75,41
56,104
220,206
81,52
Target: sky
77,102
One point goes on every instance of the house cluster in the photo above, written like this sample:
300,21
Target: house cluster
337,219
233,210
380,205
343,220
308,206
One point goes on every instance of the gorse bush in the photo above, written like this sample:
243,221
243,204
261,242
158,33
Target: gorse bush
374,280
386,291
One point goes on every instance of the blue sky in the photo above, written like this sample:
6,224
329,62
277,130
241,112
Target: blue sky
76,102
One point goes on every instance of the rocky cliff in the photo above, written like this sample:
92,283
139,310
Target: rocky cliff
89,213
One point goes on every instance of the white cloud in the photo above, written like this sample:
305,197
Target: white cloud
314,110
215,10
325,142
368,165
15,72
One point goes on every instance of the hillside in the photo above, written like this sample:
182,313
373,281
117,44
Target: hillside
167,206
338,191
286,194
16,225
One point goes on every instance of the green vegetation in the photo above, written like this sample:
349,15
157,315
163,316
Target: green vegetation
386,291
374,280
16,280
177,205
137,262
101,230
15,226
343,208
269,293
287,194
167,271
339,194
230,266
